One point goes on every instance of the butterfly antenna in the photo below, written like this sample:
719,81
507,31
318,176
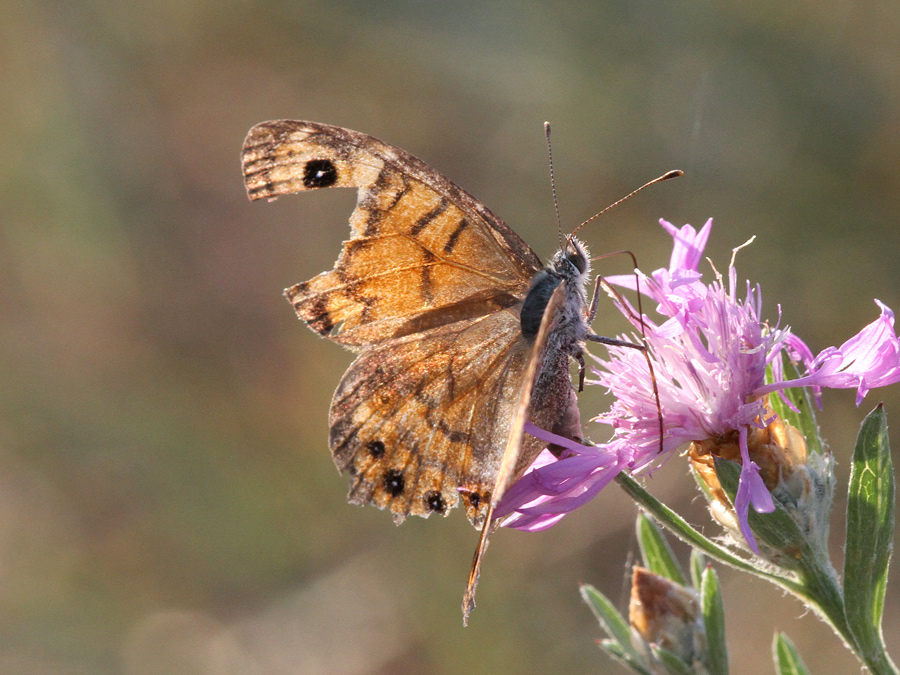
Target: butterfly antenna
666,176
646,349
553,183
653,382
640,318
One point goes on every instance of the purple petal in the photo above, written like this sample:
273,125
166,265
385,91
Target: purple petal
689,245
532,523
869,359
751,490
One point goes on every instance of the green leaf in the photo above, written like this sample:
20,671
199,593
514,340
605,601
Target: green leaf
608,616
671,662
682,529
870,528
615,650
787,658
714,619
805,419
698,564
655,551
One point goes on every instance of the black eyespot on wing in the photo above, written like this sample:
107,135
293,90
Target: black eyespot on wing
376,449
394,482
434,501
319,173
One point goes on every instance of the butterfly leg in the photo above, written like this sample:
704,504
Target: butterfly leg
610,342
595,300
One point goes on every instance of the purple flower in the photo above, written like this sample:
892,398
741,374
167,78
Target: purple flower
710,356
869,359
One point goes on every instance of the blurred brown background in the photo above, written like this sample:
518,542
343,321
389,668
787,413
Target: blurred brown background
167,499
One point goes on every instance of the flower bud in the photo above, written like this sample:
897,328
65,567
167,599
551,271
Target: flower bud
800,483
666,614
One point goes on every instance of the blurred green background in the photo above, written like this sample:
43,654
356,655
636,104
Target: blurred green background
167,499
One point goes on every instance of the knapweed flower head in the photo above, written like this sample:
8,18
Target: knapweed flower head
710,355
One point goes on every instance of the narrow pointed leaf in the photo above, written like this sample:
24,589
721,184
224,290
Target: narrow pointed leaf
655,551
615,650
608,616
698,564
787,658
870,527
714,619
672,664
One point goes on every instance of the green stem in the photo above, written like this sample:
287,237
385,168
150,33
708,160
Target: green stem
817,587
679,527
823,594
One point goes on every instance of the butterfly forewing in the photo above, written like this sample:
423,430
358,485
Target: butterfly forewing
420,246
519,446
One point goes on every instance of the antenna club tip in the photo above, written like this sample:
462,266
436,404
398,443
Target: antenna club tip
674,173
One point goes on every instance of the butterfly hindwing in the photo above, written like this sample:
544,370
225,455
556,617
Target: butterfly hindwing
422,421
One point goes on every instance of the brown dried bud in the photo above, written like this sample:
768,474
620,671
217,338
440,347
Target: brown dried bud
664,613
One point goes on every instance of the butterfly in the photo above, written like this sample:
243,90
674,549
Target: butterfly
462,334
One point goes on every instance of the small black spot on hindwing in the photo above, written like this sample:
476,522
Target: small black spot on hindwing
434,501
319,173
394,482
376,449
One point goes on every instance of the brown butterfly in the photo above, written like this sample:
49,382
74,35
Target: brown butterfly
462,333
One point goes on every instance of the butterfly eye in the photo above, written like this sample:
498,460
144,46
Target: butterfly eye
578,261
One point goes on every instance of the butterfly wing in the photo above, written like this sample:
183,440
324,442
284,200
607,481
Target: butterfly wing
422,251
420,421
428,289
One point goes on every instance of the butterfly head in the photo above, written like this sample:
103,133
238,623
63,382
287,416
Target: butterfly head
572,261
571,264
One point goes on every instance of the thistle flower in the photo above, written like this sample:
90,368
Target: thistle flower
710,355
